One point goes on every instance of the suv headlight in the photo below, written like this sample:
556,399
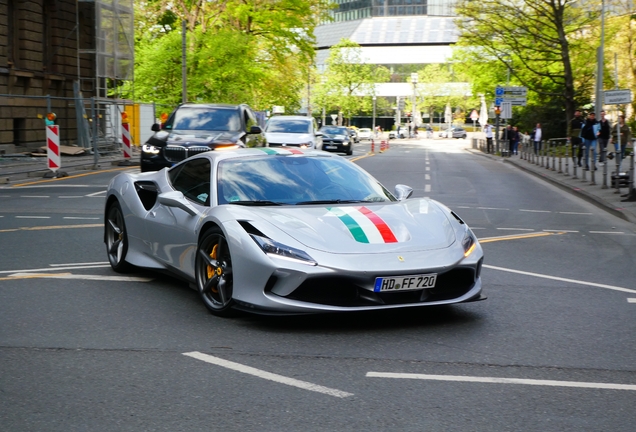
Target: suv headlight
148,148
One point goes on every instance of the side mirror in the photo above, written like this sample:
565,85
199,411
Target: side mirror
319,133
156,127
176,199
402,192
254,130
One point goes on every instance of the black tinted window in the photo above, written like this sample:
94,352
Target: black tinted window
193,180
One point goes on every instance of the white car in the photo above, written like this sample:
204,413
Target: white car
293,131
364,133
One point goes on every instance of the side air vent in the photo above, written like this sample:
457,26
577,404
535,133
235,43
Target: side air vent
147,192
249,228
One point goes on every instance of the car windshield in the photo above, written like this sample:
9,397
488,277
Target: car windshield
205,119
295,179
289,126
334,130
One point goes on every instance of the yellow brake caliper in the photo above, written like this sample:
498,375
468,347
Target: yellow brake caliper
211,270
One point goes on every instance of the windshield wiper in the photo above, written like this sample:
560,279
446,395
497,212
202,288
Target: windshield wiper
257,203
334,201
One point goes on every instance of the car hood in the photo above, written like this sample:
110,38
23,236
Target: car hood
288,138
407,226
196,138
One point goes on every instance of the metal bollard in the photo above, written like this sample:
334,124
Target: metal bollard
631,192
567,159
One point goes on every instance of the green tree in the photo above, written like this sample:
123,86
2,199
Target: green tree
548,46
348,83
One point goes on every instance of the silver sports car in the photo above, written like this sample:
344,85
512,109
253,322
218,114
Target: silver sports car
287,231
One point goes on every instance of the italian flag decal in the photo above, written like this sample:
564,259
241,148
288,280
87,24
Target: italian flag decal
364,225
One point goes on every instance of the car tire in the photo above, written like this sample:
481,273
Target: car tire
116,238
213,273
349,152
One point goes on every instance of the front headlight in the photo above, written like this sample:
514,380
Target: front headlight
148,148
279,250
469,243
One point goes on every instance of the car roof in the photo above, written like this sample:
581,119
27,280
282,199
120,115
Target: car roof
290,117
210,105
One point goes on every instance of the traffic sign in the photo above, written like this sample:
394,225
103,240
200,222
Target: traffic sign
474,116
515,95
499,91
618,97
498,101
512,91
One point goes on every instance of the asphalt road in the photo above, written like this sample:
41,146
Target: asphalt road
552,349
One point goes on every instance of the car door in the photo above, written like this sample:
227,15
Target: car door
170,229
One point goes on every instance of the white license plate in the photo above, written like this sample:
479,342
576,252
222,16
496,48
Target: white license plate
405,283
330,147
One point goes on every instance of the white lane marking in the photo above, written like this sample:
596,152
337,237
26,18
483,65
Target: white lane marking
5,196
33,217
70,196
428,168
565,231
463,207
515,229
267,375
96,193
34,196
491,208
477,228
55,269
496,380
79,276
427,188
574,281
535,211
631,300
79,264
574,213
427,176
81,218
606,232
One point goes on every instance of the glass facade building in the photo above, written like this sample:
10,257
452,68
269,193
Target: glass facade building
351,10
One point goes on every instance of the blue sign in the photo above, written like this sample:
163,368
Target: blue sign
498,100
499,91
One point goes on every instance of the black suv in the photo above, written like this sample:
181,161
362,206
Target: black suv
196,128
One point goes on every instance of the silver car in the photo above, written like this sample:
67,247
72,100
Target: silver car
287,231
293,131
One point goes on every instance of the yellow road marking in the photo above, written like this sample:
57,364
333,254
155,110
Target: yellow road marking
519,236
40,228
72,177
362,157
18,276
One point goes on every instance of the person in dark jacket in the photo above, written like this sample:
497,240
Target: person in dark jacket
603,137
589,133
576,124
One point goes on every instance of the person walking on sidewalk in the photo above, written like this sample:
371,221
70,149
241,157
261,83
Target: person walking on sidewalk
517,137
488,132
589,133
603,137
536,138
576,124
625,134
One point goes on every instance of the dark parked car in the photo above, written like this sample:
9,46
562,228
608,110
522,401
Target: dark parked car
196,128
337,139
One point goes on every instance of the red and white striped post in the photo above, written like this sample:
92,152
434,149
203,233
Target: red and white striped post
372,146
53,147
125,136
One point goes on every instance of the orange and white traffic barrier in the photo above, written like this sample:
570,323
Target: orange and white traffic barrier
53,147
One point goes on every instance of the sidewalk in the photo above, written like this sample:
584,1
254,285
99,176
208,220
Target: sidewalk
607,199
17,168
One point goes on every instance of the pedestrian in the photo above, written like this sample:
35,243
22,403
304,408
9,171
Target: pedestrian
536,138
398,130
517,137
409,125
576,124
589,133
511,139
623,134
603,137
488,133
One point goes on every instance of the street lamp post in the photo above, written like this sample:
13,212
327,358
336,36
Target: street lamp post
373,129
414,78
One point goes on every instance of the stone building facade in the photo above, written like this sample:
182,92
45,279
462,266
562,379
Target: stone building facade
40,60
